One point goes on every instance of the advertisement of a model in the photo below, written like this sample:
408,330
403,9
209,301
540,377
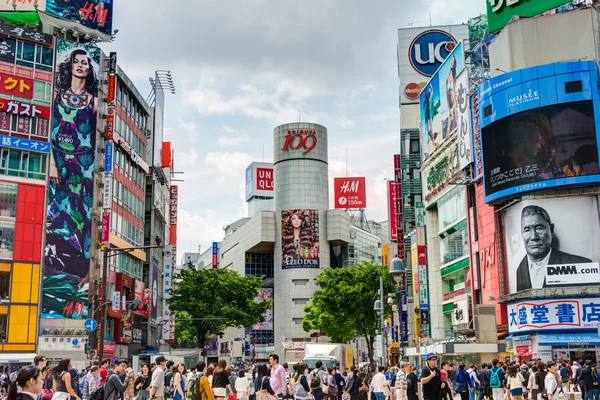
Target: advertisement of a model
548,246
71,186
300,239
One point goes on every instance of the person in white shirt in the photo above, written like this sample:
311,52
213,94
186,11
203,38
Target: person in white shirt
401,381
241,386
379,382
472,371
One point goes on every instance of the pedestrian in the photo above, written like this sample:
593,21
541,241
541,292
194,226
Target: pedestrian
113,387
353,384
169,390
339,382
287,393
278,380
412,384
430,379
378,383
532,385
586,380
574,375
401,379
484,387
262,386
301,389
210,372
90,383
27,385
242,385
515,383
157,383
472,371
594,393
496,377
363,392
64,387
551,380
540,378
179,382
565,376
220,380
463,382
142,383
104,367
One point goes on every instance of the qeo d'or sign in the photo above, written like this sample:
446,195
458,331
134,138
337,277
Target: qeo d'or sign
501,11
539,129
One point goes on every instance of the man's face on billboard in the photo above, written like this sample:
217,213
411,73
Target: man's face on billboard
537,235
533,143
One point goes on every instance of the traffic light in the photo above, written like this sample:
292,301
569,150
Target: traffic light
137,305
315,334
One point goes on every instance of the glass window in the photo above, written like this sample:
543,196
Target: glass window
452,209
4,285
414,146
25,54
41,90
454,246
8,200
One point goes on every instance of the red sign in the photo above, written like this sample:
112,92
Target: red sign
523,351
422,255
110,348
105,227
302,139
16,86
264,178
451,295
173,215
413,90
110,124
24,109
350,192
392,210
399,207
112,90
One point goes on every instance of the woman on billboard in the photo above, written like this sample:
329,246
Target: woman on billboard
297,236
451,97
71,187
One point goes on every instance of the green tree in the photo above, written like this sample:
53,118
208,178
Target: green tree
185,330
215,299
343,303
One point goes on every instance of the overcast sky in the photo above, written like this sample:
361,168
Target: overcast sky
243,67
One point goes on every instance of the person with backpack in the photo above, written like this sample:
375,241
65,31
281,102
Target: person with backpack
594,393
301,388
463,382
497,379
169,390
198,385
90,382
113,388
475,384
142,383
565,376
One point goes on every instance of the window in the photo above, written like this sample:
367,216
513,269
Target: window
25,54
44,58
452,209
414,146
42,91
300,302
3,327
454,246
4,285
300,282
297,321
24,164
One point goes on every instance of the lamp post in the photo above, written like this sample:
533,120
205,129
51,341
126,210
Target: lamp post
398,272
378,308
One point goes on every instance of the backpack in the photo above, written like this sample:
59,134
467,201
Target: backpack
194,391
98,394
299,391
315,383
495,382
169,388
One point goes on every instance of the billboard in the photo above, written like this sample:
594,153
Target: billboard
157,134
260,180
71,183
22,5
539,128
265,294
420,53
392,211
439,102
548,246
553,314
465,140
300,239
173,205
437,175
97,14
500,12
154,293
350,192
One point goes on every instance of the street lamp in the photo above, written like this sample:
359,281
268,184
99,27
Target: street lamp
398,272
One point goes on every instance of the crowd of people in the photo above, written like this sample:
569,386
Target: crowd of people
161,380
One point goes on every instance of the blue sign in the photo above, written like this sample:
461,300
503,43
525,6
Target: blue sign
90,324
215,248
108,158
24,144
539,129
249,181
429,49
74,342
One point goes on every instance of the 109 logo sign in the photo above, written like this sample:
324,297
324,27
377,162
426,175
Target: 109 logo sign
300,139
429,49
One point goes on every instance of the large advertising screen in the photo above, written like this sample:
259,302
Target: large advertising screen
265,294
300,239
71,185
96,14
552,243
439,102
539,129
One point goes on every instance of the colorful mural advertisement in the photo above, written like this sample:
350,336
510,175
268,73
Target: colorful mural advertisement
300,239
265,294
71,186
96,14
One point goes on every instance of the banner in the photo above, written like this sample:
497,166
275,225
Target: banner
71,183
300,239
548,246
392,210
350,193
97,14
154,295
24,33
465,140
265,294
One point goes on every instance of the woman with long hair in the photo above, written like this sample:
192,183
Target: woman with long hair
515,383
302,391
540,377
532,384
242,384
297,236
451,97
210,373
64,388
262,384
180,382
27,386
142,383
71,187
220,380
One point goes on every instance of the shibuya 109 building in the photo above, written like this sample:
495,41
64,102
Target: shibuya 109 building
289,235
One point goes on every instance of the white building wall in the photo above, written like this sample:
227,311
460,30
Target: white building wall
434,277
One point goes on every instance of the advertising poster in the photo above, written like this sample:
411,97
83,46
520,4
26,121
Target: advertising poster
350,192
71,184
552,243
95,14
465,141
154,295
300,239
392,211
545,144
439,102
265,294
553,314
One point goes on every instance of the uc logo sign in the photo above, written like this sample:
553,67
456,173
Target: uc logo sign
429,49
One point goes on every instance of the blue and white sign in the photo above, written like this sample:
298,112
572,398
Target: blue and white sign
554,315
90,324
75,342
24,144
108,157
249,181
429,49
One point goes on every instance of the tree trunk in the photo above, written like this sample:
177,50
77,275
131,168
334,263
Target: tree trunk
370,351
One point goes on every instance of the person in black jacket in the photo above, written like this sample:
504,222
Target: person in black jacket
484,382
29,381
113,387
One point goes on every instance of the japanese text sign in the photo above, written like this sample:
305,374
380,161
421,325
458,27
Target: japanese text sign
554,314
350,192
392,210
105,227
24,109
173,215
16,86
23,33
24,144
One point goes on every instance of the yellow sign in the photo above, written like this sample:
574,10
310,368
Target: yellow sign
386,255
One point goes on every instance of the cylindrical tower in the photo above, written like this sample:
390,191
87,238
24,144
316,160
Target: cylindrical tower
301,202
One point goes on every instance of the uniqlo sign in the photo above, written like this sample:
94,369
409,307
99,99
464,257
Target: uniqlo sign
264,179
350,192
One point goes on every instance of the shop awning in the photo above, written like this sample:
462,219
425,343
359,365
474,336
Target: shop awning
572,339
14,358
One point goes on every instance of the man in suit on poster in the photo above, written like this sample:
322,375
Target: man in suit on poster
537,231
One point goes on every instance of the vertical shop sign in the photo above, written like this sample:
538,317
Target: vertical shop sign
154,294
69,214
215,254
107,193
168,272
108,158
173,215
392,210
399,206
105,228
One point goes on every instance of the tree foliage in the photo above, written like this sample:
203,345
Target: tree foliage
343,303
216,299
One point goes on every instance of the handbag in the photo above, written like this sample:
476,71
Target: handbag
364,388
220,392
262,394
47,394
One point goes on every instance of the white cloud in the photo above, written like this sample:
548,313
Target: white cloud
344,122
233,141
194,230
227,164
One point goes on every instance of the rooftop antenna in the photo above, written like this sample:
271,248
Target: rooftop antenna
410,24
346,162
299,116
430,18
263,151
